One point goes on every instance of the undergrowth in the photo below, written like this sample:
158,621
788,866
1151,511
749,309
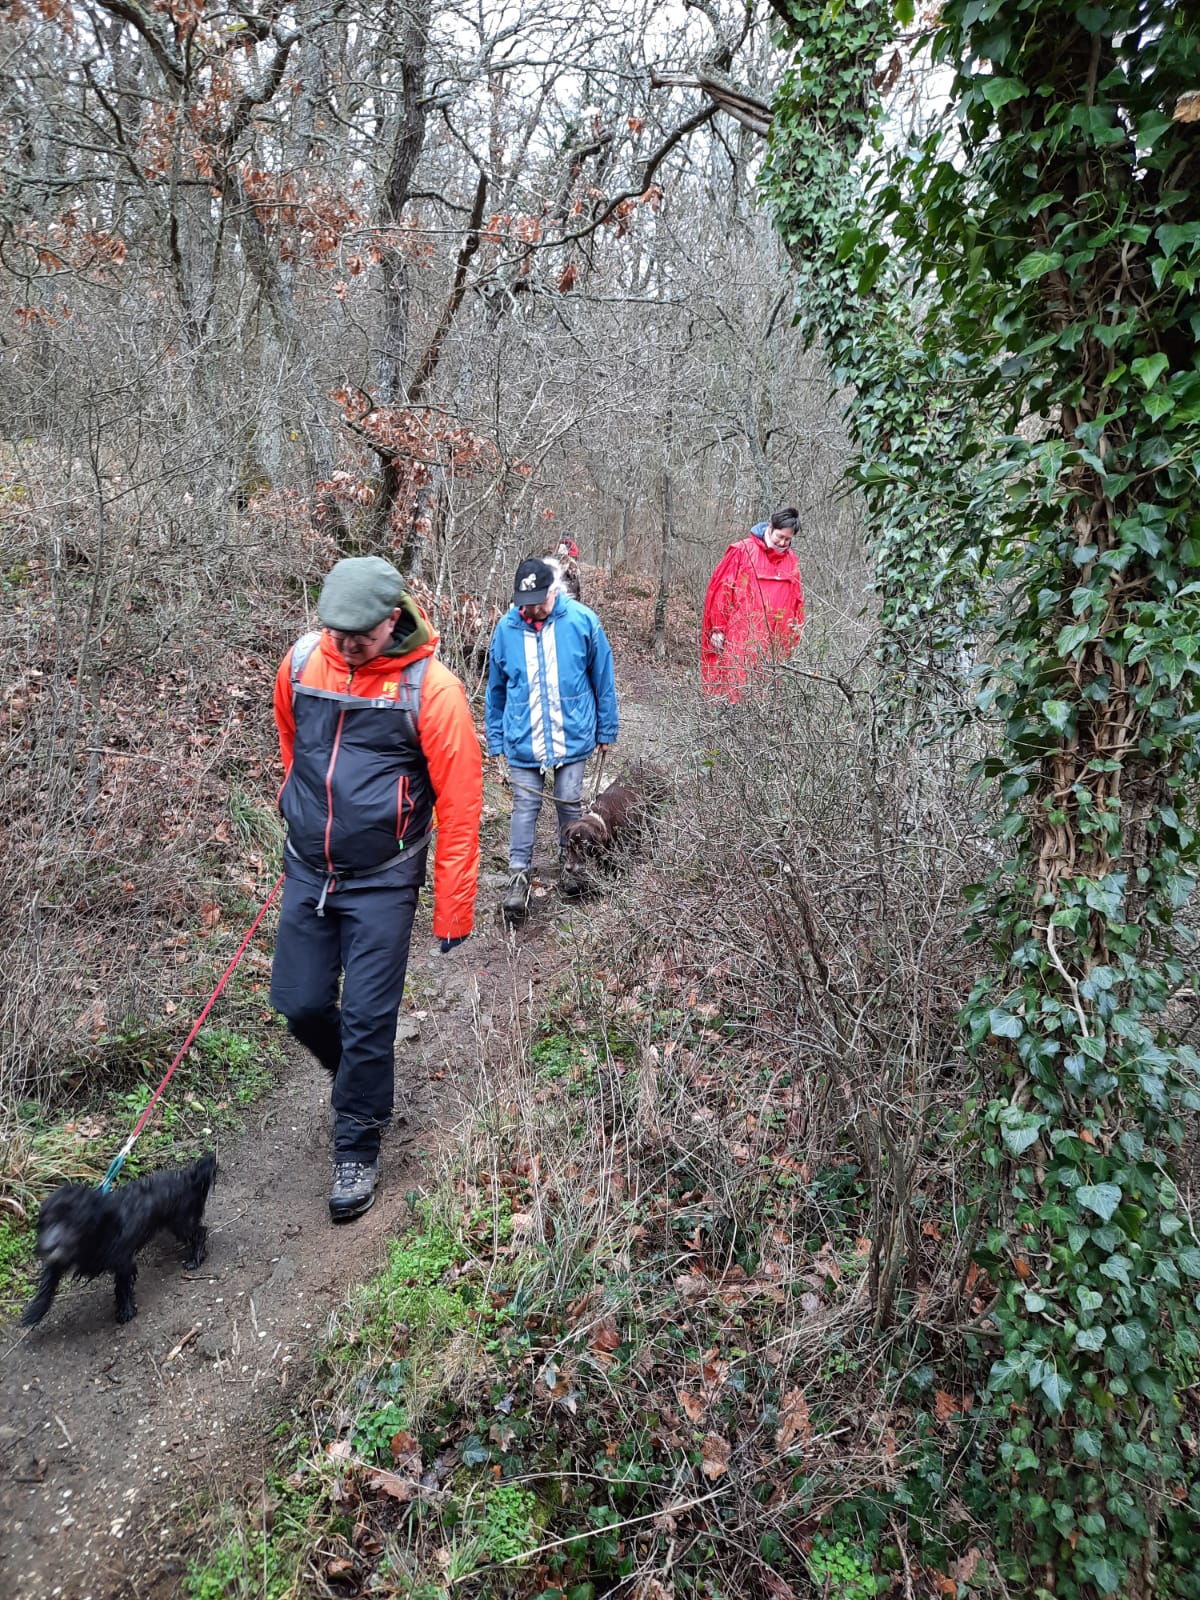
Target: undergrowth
681,1315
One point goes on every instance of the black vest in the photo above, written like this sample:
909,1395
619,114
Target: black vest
358,801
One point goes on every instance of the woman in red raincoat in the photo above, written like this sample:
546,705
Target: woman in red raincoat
754,607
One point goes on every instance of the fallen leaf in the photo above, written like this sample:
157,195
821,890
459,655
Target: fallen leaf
714,1456
963,1570
406,1453
393,1485
775,1585
605,1337
693,1405
945,1405
794,1422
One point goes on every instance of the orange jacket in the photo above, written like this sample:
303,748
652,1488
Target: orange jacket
448,743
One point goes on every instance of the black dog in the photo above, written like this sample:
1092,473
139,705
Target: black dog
83,1231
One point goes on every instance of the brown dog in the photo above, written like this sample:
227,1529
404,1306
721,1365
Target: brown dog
618,817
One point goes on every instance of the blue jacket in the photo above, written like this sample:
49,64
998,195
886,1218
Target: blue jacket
551,695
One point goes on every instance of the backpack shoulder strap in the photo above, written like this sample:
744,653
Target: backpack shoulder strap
301,651
408,692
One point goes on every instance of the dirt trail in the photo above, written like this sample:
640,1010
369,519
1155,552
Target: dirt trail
107,1432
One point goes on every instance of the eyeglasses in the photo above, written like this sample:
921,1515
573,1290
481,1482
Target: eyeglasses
352,636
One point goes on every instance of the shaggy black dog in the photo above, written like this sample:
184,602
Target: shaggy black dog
83,1231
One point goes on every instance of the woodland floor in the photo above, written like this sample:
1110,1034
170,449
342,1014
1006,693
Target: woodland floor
109,1434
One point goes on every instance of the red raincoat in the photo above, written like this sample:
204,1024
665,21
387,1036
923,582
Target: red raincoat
755,599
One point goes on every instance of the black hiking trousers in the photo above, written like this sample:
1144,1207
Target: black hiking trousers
363,937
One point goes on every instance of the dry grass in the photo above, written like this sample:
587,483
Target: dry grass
696,1254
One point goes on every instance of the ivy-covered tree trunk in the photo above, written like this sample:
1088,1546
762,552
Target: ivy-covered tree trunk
1051,224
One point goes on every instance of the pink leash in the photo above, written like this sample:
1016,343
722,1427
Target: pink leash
118,1160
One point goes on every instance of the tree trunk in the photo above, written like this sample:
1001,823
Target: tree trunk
664,559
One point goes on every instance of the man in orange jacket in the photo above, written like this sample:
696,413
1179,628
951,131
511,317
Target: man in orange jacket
374,732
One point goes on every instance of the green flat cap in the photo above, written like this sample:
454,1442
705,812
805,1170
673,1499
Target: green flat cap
358,593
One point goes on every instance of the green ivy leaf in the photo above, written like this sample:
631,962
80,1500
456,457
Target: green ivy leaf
1189,1261
1004,1025
1102,1198
1105,1575
1148,369
1056,1388
1000,91
1037,264
1019,1129
1057,713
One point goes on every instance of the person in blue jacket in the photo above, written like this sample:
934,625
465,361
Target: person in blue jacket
551,701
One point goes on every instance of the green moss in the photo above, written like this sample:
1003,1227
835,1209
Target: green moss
16,1258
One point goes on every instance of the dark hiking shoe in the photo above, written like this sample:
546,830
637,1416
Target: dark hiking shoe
572,883
353,1189
516,901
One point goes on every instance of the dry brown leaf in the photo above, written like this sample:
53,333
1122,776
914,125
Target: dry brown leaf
794,1422
775,1585
693,1405
963,1570
944,1405
406,1453
605,1337
1187,107
714,1456
393,1485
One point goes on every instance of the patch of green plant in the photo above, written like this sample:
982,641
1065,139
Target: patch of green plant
374,1431
554,1057
256,822
244,1566
841,1571
509,1523
250,1562
410,1292
16,1257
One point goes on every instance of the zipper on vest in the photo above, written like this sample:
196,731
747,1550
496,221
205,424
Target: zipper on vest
333,755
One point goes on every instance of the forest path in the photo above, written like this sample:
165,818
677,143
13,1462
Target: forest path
107,1433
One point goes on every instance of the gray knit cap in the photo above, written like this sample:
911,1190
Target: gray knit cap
358,593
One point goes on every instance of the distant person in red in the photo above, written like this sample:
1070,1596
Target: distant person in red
754,608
